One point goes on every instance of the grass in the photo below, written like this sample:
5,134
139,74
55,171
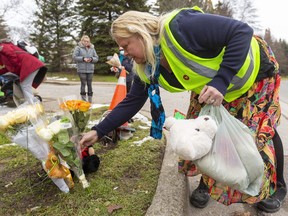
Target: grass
124,184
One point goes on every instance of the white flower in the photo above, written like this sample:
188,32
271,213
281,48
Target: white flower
20,116
45,133
55,127
4,123
10,117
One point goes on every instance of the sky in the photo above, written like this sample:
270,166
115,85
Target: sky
273,16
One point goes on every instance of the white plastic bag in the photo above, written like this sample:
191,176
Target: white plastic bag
234,159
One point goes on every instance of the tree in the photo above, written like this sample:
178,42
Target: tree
223,8
268,37
8,5
245,11
168,5
54,26
3,28
96,18
280,49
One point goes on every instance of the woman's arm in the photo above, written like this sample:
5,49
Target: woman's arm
125,110
205,35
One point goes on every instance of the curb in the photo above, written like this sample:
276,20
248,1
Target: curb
171,193
64,82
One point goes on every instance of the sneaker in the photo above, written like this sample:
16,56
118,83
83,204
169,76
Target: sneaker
274,202
200,196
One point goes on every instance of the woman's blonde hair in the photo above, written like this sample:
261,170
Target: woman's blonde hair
144,25
85,37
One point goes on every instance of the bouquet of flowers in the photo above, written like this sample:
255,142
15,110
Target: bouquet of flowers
58,173
18,125
114,61
19,118
63,143
80,111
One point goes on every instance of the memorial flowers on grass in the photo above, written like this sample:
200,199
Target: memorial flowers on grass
80,111
64,143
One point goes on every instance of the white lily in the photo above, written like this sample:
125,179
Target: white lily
55,127
45,133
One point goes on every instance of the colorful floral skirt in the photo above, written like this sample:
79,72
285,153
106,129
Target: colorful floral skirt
260,110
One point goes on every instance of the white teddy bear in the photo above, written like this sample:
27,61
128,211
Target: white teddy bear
191,139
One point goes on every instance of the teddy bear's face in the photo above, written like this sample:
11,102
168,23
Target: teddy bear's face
205,124
191,139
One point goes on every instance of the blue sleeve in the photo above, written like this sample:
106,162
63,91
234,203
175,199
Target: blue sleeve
125,110
205,35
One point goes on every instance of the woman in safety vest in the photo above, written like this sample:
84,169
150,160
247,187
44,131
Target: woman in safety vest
220,61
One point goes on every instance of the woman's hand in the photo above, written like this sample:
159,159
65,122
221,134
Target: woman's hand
89,138
210,95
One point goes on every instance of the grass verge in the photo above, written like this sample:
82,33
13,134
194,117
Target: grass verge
124,184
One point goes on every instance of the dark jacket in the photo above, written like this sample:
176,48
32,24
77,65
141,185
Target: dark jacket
128,64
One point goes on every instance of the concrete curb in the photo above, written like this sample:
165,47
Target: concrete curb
171,193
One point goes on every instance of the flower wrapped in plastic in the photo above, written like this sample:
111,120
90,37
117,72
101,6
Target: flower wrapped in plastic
80,111
64,143
58,173
19,118
18,125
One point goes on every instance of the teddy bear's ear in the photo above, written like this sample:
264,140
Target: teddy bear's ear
169,122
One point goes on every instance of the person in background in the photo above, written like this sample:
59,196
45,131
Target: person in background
220,61
85,57
127,63
31,70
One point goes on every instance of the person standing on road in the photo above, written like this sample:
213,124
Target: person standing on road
85,57
127,63
220,61
31,70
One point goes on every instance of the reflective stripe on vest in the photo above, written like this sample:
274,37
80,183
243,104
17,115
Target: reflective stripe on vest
199,71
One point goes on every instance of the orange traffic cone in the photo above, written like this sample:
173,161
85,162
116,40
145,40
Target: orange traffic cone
120,91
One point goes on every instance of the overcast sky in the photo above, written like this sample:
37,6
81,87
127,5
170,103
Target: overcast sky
272,15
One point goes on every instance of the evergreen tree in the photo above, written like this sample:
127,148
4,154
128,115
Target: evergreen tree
3,28
280,49
169,5
223,8
96,18
55,25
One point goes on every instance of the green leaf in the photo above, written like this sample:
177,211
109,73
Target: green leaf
70,144
65,152
63,136
57,145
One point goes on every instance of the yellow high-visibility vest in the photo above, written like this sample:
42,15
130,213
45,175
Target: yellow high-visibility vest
194,72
